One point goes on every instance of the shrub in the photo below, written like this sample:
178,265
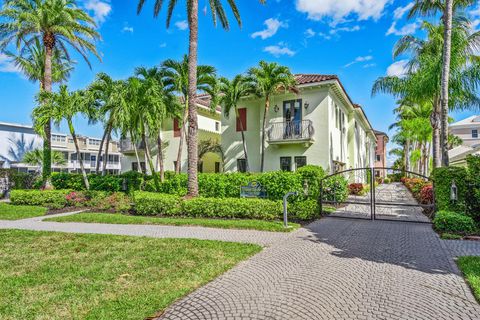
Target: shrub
64,180
452,222
312,175
472,198
149,203
76,199
278,183
111,183
335,188
116,202
53,199
176,185
355,189
387,180
443,178
304,210
232,208
133,179
395,177
426,194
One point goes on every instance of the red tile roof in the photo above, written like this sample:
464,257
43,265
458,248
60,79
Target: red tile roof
302,78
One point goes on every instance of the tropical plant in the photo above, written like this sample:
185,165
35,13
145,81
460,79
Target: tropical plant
35,158
267,79
58,24
60,106
231,91
217,10
18,147
175,76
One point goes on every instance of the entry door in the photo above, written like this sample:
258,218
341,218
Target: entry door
292,116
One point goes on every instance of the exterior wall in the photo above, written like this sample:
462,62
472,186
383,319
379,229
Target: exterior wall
327,145
466,134
381,152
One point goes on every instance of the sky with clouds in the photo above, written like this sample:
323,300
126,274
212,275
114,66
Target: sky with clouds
350,38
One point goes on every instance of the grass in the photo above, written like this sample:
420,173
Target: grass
450,236
214,223
14,212
328,209
470,267
48,275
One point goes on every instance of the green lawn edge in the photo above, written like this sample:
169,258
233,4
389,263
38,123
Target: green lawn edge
109,218
17,212
470,267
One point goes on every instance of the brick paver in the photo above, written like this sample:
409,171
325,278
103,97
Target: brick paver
340,269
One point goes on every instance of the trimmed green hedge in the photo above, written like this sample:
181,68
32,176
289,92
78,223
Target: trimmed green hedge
472,198
443,178
452,222
335,188
150,204
53,199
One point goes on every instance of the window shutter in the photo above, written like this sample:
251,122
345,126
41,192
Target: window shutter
243,118
176,128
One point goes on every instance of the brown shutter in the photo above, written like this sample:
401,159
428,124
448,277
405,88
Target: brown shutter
176,128
243,118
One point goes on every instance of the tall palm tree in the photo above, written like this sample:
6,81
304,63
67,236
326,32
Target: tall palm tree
217,10
107,96
447,9
231,92
62,106
59,24
175,77
269,78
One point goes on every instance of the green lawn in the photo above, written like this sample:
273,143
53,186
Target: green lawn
470,267
48,275
214,223
11,212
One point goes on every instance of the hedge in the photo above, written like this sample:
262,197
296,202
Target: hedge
150,203
335,188
443,178
452,222
53,199
472,198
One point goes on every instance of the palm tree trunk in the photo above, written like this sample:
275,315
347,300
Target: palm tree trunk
244,143
407,155
427,163
178,167
139,165
105,158
192,143
160,157
99,154
447,43
79,155
150,162
264,124
435,122
49,43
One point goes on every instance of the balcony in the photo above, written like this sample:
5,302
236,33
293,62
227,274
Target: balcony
290,132
127,146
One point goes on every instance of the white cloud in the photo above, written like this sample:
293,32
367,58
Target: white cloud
400,11
406,29
163,45
100,9
272,27
344,29
6,65
127,29
325,36
475,17
397,69
278,50
339,10
182,25
309,33
369,65
359,59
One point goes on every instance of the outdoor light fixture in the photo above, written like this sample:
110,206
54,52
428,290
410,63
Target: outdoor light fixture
306,105
453,192
276,108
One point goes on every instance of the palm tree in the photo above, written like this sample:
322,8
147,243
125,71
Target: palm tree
447,8
267,79
58,24
35,158
217,10
107,96
61,106
231,92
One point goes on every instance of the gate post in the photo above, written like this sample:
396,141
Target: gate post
372,193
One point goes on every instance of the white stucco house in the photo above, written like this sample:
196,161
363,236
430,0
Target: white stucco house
320,125
468,130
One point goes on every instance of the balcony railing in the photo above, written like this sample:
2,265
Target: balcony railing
126,145
290,131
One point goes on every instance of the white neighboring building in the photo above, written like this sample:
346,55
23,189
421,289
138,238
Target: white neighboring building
11,134
469,131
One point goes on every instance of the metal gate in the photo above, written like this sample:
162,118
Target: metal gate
366,193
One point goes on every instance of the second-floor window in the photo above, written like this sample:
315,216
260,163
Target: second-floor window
474,133
379,158
242,120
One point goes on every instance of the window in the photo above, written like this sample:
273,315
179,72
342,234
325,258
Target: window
474,133
217,167
286,163
217,126
379,157
176,128
300,161
242,120
58,138
94,142
241,165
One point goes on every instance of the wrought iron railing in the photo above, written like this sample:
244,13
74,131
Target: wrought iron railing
291,131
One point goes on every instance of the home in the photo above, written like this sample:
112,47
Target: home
17,139
319,125
209,149
468,131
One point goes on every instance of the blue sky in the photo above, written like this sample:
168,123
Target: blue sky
350,38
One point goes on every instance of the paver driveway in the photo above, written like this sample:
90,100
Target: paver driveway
340,269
